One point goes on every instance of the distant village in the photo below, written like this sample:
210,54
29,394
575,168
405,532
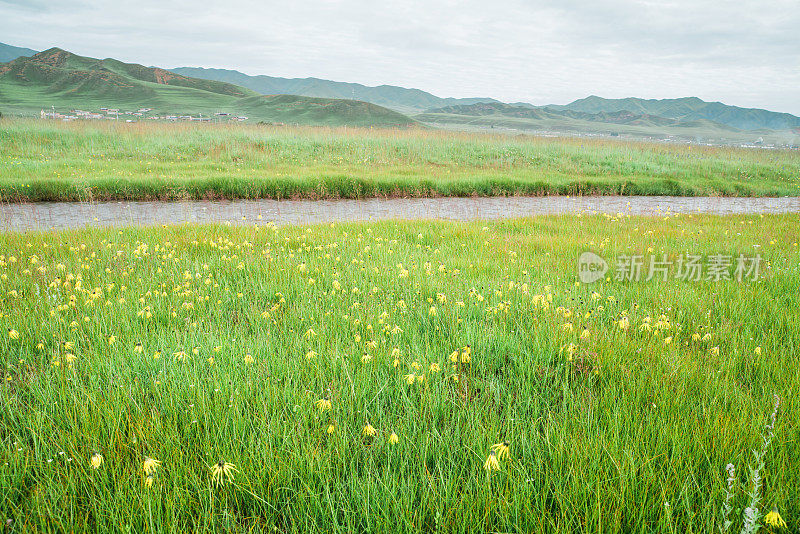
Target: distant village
135,116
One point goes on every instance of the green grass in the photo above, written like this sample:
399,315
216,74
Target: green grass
599,441
45,161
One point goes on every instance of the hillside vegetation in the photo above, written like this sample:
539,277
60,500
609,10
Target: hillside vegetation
398,98
689,109
66,81
491,115
45,160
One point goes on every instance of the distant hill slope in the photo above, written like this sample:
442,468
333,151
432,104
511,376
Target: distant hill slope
485,116
390,96
688,109
59,78
10,53
526,112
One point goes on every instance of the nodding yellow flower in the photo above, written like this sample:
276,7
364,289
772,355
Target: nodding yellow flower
149,481
309,333
774,518
567,327
695,337
331,428
323,404
491,462
623,323
369,430
222,472
501,449
97,460
196,351
393,438
366,358
714,351
409,378
435,368
138,348
667,340
13,334
112,339
156,354
40,346
758,351
310,355
432,311
248,358
69,345
150,465
585,333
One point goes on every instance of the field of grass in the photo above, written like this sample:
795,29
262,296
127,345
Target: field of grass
47,161
329,364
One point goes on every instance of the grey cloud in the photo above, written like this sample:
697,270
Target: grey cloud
743,53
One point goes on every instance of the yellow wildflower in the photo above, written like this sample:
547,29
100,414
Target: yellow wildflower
150,465
222,471
97,460
774,518
491,462
501,449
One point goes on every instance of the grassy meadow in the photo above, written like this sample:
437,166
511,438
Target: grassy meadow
357,376
49,161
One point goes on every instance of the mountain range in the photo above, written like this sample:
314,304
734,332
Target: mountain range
688,109
10,53
412,101
32,81
391,96
68,81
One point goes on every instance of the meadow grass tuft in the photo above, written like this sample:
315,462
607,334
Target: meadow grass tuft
393,377
49,161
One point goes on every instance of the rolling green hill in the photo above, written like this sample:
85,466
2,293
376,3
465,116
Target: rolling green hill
67,81
398,98
10,53
688,109
484,116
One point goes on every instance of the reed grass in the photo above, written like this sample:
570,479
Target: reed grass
47,161
195,344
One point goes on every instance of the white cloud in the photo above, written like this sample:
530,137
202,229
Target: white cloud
743,53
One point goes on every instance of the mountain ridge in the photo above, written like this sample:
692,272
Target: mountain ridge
28,84
415,101
401,99
10,52
687,109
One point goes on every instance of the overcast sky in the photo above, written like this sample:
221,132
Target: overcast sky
742,52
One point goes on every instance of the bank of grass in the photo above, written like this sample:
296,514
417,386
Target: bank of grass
47,161
191,345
